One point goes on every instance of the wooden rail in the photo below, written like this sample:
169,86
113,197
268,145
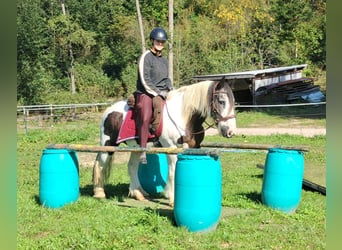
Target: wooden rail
251,146
209,148
152,150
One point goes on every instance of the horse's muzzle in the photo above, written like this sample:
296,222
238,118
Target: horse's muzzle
226,131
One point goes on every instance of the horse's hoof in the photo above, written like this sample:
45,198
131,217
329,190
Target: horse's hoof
136,194
99,193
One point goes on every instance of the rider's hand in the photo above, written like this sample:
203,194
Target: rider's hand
163,94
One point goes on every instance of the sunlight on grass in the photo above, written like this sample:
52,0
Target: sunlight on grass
250,119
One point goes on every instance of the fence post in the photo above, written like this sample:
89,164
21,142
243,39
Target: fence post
51,115
25,121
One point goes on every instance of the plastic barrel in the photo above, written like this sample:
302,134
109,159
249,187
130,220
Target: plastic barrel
282,180
198,192
58,178
153,175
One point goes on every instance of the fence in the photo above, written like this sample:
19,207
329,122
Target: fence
48,115
308,110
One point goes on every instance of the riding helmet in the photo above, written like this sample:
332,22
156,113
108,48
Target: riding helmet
158,34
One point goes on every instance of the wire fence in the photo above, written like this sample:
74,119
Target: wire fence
39,116
304,110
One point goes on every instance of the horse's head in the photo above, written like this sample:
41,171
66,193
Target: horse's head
223,108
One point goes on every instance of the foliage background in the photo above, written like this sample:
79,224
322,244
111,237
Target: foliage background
210,36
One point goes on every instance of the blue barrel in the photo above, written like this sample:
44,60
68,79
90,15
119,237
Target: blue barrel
198,192
58,178
153,175
282,180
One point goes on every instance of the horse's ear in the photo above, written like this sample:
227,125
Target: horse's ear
221,83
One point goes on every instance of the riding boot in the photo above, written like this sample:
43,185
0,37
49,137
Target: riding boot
157,102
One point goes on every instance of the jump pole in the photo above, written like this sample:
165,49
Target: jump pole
251,146
212,148
152,150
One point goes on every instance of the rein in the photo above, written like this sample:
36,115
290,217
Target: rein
203,130
193,133
174,123
217,116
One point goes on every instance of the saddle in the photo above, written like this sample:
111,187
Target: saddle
128,126
158,105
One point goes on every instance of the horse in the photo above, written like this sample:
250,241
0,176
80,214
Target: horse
186,109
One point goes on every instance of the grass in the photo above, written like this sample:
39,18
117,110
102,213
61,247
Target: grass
93,224
313,117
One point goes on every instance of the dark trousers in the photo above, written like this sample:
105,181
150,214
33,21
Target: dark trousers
143,117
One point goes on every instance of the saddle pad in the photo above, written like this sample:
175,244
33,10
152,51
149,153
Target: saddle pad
128,129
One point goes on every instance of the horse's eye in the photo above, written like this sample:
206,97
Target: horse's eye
221,102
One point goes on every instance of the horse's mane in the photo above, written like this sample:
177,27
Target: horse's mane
195,99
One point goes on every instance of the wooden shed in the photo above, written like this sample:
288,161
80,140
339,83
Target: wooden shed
250,87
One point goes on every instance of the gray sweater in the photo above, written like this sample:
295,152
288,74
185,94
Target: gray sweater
153,74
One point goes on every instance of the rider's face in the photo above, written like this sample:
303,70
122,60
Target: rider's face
158,44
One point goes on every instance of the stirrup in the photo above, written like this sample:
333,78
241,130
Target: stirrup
153,131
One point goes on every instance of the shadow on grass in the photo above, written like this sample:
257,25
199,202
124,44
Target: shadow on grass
253,196
36,199
259,176
119,190
119,193
168,213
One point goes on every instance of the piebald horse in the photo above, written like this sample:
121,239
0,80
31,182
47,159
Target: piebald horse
184,113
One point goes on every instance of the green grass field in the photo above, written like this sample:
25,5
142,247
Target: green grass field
119,223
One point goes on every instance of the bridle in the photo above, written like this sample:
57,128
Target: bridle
214,111
215,114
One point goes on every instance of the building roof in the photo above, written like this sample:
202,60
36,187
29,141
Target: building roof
250,74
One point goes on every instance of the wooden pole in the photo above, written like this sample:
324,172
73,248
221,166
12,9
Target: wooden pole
152,150
251,146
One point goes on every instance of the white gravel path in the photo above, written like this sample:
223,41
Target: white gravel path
307,132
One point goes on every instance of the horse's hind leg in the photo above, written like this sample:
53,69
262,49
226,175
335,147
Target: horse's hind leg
98,179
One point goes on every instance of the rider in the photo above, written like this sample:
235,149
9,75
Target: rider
153,84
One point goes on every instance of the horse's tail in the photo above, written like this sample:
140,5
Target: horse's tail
109,131
107,167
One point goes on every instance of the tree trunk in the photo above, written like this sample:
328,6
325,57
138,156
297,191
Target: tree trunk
72,59
171,40
140,26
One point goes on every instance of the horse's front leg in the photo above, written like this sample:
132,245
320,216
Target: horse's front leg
135,189
170,186
98,179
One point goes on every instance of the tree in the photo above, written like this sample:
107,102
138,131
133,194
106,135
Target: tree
70,41
205,37
141,28
72,59
171,40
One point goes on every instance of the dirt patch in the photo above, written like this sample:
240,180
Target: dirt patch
87,160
